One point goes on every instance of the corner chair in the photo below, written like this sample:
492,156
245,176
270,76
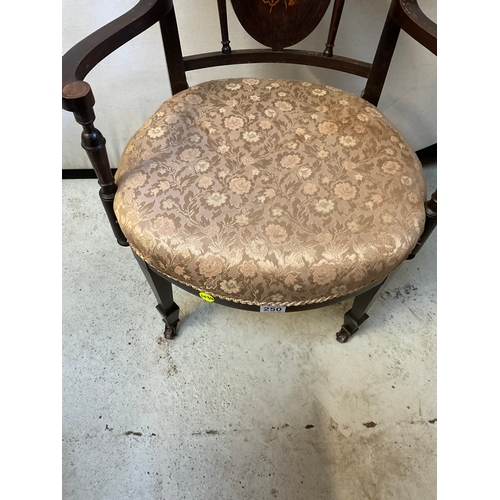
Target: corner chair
267,195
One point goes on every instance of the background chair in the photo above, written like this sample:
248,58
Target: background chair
258,194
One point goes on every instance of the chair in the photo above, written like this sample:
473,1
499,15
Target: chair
268,195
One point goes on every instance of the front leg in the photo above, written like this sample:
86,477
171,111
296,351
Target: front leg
162,289
357,314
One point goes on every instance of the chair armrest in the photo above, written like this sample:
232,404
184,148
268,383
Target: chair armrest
85,55
411,19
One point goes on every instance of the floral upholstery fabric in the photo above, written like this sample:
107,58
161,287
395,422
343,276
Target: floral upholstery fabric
270,192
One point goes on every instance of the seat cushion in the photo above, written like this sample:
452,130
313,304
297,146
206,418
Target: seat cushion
270,192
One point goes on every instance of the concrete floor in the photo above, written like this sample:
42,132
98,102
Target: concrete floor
241,405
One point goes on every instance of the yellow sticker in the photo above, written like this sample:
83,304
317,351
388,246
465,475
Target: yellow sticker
206,296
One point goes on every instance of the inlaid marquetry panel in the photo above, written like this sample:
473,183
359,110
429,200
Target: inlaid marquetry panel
279,23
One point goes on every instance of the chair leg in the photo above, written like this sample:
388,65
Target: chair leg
162,289
357,314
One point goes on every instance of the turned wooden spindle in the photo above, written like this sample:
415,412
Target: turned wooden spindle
226,49
334,26
94,144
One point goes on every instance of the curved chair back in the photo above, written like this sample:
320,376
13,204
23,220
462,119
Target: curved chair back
280,24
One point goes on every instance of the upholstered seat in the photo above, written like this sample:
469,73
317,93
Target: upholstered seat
270,192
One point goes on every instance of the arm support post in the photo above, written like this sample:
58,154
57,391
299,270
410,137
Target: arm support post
94,144
173,52
403,15
382,61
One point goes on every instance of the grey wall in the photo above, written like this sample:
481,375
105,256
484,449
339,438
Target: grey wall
132,82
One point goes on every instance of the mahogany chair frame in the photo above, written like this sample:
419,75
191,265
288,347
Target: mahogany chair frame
78,98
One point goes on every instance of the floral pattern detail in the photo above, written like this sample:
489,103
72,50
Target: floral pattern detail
276,234
211,266
328,128
283,106
391,167
347,140
156,132
346,191
240,185
234,122
324,206
216,199
251,136
324,273
270,191
272,3
290,161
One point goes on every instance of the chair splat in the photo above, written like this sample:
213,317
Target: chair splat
279,23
